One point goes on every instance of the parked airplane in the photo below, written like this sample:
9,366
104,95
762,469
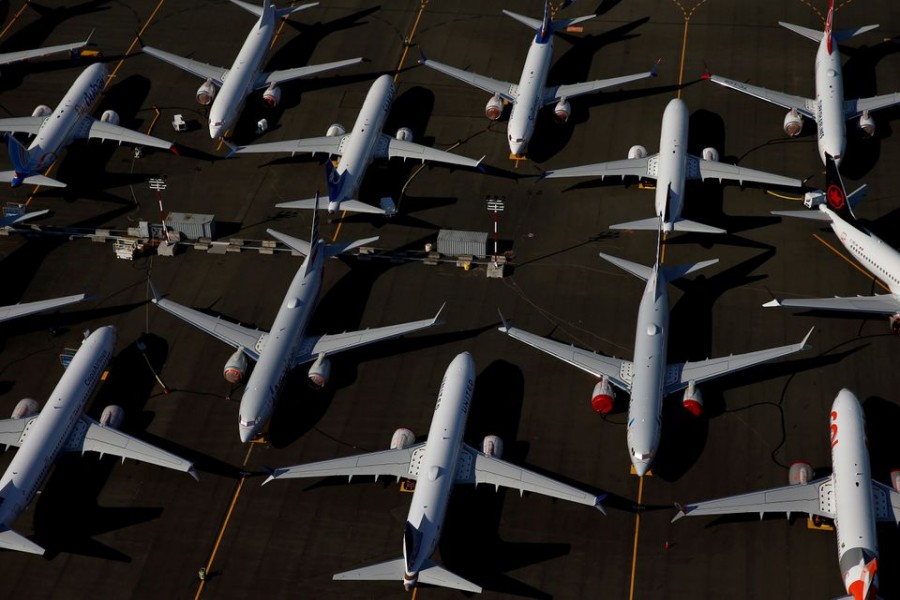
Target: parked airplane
20,55
671,167
829,109
531,93
436,466
63,427
648,379
226,90
56,129
287,345
882,261
356,150
849,496
14,311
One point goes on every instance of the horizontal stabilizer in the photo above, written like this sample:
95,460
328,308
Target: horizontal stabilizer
638,270
813,215
347,205
392,570
674,272
10,540
433,574
695,227
652,224
335,249
813,34
43,180
845,34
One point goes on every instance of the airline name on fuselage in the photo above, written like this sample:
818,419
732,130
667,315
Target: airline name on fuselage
92,92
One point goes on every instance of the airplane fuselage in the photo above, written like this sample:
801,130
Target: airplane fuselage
882,261
830,120
438,466
530,97
45,438
672,162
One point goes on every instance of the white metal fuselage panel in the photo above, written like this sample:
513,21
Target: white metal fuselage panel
830,121
882,261
672,164
530,97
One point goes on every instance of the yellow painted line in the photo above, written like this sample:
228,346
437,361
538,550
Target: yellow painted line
851,262
409,39
134,42
278,31
222,140
155,119
14,19
782,196
637,529
338,230
237,492
37,188
414,592
687,21
662,254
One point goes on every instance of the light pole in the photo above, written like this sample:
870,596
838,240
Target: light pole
158,184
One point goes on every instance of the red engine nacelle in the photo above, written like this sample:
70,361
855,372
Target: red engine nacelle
404,134
206,93
402,438
492,445
272,96
800,473
236,367
710,154
866,124
637,151
319,372
494,108
26,407
793,123
603,397
562,110
42,110
895,479
112,416
335,129
693,400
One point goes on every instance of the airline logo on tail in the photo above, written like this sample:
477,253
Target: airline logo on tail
828,21
546,29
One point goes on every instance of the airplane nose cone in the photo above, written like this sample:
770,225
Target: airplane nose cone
215,132
518,149
246,434
641,468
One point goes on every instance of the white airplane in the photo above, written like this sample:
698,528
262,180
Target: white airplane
227,89
531,93
648,379
436,466
63,427
829,109
882,261
849,496
671,167
20,55
357,150
56,129
287,346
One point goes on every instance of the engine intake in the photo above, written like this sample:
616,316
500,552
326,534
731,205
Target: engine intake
693,400
604,397
42,110
319,372
236,367
404,134
710,154
562,110
112,416
492,445
25,408
272,96
493,110
866,124
800,473
335,129
637,151
110,116
206,93
895,479
793,123
402,438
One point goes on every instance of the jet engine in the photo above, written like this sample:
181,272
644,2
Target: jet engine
800,473
319,372
206,93
335,129
492,445
112,416
402,438
710,154
604,397
793,123
866,124
236,367
693,400
42,110
110,116
26,407
404,134
272,96
494,108
895,479
637,151
562,110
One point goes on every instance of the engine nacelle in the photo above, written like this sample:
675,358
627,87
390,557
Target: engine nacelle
206,93
800,473
710,154
404,134
42,110
693,400
493,110
793,123
26,407
866,124
335,129
319,372
236,367
637,151
492,445
562,110
110,116
603,398
272,96
895,479
402,438
112,416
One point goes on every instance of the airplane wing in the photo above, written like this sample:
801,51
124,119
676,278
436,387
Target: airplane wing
20,310
329,144
200,69
29,125
618,371
394,463
804,106
716,367
811,498
329,344
265,79
496,472
107,131
11,57
854,108
885,304
390,147
555,94
630,167
507,91
713,169
886,501
91,436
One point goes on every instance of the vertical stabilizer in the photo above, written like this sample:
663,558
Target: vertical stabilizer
835,192
18,155
829,22
546,24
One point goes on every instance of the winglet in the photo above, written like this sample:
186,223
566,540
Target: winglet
232,148
505,327
772,303
154,291
655,70
192,472
682,511
706,74
422,58
803,343
597,502
440,310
